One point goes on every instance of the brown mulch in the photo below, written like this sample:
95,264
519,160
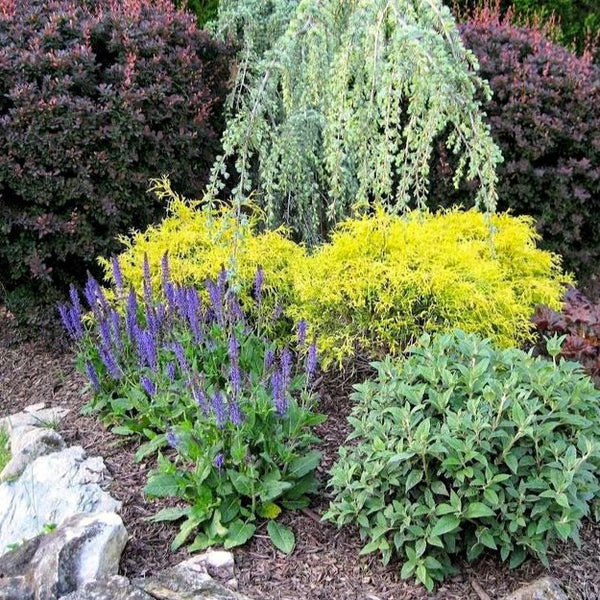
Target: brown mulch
325,563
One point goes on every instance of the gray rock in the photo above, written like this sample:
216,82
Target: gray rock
115,588
51,489
187,581
545,588
85,549
27,444
35,415
218,563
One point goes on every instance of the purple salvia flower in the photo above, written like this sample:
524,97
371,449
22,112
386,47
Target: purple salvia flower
222,281
170,370
65,317
269,359
115,323
94,295
278,388
219,460
302,333
199,395
235,310
277,312
286,367
180,356
75,314
259,279
193,309
233,349
311,361
235,414
164,269
147,282
218,406
147,348
131,322
105,332
93,376
170,295
216,300
117,274
108,358
148,385
172,439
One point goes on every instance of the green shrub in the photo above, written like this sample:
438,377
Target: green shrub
462,447
4,448
195,375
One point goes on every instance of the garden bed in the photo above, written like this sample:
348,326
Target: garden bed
325,563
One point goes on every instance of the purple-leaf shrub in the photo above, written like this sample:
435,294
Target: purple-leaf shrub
545,116
96,98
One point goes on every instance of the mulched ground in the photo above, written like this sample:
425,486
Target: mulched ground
325,563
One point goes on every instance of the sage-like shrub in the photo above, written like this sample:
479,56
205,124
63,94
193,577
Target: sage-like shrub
189,372
461,447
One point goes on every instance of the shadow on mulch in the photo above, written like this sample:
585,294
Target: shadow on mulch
325,563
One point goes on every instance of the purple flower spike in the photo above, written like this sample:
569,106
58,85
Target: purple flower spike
216,300
148,385
286,367
105,332
170,370
199,395
218,406
219,460
94,296
147,282
117,274
164,269
311,361
277,312
259,280
302,333
233,349
180,356
108,358
235,414
269,359
131,322
147,348
173,439
278,387
65,317
93,376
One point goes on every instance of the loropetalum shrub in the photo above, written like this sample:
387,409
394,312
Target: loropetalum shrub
460,448
236,411
96,98
384,280
545,116
579,322
378,285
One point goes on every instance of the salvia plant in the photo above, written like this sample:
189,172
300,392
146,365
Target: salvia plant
462,448
336,106
228,413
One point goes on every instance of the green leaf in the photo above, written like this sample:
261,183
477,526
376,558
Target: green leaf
184,533
122,430
414,477
162,485
150,447
477,510
282,537
238,533
445,525
304,464
269,510
169,514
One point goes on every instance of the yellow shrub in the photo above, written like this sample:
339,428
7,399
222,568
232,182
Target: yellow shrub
378,285
383,280
200,242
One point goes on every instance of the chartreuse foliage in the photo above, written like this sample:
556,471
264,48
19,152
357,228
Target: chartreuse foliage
336,106
384,280
462,447
381,282
176,370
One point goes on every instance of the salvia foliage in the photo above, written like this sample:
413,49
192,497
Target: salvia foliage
336,106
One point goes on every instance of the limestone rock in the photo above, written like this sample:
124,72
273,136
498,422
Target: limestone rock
51,489
218,563
27,444
187,581
35,415
84,549
115,588
545,588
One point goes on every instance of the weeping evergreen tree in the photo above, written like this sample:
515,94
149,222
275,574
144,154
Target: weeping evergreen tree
337,106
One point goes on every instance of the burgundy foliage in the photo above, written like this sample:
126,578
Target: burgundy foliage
96,98
579,321
545,116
